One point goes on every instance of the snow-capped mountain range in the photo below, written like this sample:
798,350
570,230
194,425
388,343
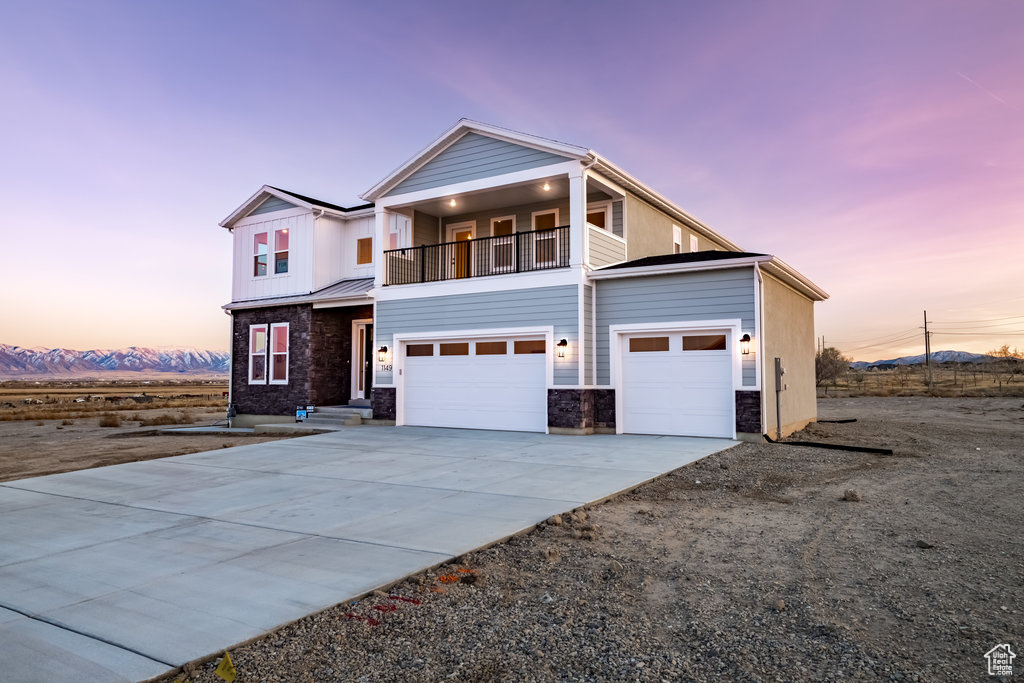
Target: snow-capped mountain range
937,357
19,362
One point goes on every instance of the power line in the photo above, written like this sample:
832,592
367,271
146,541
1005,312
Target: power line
867,339
1010,333
1012,322
884,343
986,320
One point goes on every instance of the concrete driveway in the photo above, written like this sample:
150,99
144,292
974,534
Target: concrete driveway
124,572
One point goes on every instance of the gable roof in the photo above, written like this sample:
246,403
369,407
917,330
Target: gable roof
294,198
452,135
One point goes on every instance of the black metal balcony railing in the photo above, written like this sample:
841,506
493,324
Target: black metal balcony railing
516,253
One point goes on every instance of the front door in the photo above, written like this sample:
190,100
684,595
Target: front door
460,234
362,358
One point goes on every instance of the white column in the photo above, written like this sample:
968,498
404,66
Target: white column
577,216
380,233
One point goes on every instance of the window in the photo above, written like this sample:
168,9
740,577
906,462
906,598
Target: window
503,249
259,259
677,240
364,250
497,348
257,354
280,251
704,342
641,344
693,243
419,350
531,346
279,353
455,349
598,215
545,239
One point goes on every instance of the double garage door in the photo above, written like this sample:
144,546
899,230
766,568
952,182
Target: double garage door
476,383
677,383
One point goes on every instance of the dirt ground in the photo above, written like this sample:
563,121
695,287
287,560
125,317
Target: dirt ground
753,564
31,448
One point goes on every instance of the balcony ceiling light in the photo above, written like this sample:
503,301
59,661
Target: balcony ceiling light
451,202
547,187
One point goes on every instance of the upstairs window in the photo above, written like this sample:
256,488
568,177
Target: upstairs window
598,215
693,243
677,240
257,354
280,251
259,259
364,251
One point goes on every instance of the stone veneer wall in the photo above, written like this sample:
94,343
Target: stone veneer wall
748,412
604,408
571,409
331,353
271,399
383,401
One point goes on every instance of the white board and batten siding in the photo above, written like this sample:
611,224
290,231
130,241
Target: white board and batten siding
681,297
556,307
471,157
335,249
299,278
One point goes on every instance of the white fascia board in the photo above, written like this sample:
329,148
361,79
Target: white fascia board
661,202
669,268
790,276
470,285
273,216
300,300
251,203
462,127
489,183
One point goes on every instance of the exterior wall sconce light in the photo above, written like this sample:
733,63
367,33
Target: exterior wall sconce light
562,345
745,344
382,354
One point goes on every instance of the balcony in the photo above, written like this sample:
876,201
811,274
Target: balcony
519,252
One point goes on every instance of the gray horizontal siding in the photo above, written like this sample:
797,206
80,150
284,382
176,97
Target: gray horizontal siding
683,297
617,219
272,204
471,157
588,322
557,306
424,229
604,249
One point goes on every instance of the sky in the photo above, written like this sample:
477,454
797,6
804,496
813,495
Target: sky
877,147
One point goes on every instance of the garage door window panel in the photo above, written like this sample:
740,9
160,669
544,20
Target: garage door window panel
455,349
530,346
498,348
704,342
413,350
648,344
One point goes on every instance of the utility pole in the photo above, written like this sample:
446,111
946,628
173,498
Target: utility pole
927,351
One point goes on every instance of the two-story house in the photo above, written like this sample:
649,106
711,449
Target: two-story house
499,280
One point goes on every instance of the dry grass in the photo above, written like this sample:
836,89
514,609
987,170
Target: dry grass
183,418
947,382
71,400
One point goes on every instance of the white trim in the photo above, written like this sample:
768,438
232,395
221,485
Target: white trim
616,333
241,213
511,267
478,184
456,133
400,339
266,344
473,285
450,229
353,384
694,243
373,251
677,239
271,353
552,236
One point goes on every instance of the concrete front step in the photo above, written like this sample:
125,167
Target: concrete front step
334,411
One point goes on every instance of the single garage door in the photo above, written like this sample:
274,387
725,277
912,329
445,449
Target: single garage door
678,383
477,384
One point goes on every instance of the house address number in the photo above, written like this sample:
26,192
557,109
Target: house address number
384,368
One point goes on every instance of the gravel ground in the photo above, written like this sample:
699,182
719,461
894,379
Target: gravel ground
764,562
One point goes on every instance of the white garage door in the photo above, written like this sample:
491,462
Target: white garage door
678,383
476,384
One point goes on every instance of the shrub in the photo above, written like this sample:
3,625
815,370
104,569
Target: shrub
110,421
67,423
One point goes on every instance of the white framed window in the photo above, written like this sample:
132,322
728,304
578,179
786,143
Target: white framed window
677,240
545,239
693,243
503,244
260,255
257,354
364,251
279,353
280,251
599,214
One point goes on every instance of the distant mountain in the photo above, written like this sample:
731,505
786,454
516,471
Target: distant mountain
937,357
18,362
